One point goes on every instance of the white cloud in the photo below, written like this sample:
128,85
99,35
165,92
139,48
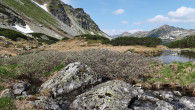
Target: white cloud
67,1
183,12
159,19
118,12
124,22
117,32
181,15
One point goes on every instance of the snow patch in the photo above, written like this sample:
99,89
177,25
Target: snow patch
92,33
25,29
44,6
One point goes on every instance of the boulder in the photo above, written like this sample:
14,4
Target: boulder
112,95
18,88
7,93
164,95
46,103
162,105
75,75
188,101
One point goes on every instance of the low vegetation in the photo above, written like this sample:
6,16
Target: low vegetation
174,73
107,64
96,38
8,71
49,40
187,42
7,104
11,34
146,41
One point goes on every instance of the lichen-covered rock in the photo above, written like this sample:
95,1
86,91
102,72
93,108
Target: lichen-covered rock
7,93
70,78
162,105
112,95
188,101
46,103
164,95
18,88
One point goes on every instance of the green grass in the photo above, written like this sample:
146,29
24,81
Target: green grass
184,74
2,88
8,71
57,68
7,104
32,10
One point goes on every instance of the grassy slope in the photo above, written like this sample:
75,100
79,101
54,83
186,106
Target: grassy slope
32,10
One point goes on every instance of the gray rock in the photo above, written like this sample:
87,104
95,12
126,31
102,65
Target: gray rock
72,77
4,56
46,103
7,93
112,95
164,95
27,47
19,88
188,101
44,37
177,93
162,105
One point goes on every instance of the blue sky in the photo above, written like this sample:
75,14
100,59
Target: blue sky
117,16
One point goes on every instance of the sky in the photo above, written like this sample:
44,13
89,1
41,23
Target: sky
118,16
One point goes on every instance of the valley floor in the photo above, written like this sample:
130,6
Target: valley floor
79,45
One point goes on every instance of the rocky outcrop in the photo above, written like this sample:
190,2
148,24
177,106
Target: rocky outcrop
112,95
84,19
74,76
58,10
10,17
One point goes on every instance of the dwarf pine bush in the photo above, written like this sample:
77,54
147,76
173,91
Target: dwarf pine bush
106,64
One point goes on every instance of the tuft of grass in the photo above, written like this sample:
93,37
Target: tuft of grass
7,104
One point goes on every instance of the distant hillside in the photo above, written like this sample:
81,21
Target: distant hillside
51,17
166,33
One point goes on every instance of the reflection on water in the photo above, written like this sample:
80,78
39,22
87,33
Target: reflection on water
168,56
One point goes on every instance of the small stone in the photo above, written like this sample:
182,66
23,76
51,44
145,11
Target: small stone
177,93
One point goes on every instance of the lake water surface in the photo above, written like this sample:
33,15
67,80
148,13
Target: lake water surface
168,56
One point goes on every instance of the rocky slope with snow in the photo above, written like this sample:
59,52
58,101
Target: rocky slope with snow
51,17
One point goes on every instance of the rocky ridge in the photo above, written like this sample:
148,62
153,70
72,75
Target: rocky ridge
76,87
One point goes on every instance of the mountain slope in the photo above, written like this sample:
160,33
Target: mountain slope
51,17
